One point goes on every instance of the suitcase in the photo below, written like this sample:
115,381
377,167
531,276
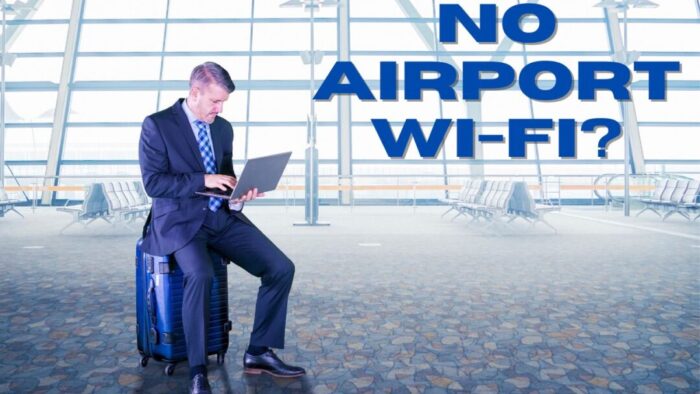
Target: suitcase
159,292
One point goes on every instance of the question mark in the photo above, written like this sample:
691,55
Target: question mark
614,132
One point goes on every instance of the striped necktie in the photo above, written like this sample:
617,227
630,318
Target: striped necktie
208,159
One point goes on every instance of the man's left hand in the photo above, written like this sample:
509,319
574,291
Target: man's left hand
250,196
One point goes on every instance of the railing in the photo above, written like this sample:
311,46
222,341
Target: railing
641,185
404,187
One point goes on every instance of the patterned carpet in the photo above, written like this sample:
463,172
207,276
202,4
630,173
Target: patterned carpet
384,300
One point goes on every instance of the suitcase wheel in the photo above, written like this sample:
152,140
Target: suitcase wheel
144,361
220,357
169,369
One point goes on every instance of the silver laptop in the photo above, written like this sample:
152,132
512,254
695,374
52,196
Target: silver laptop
263,173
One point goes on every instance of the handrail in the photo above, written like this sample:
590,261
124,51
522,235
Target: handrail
608,186
301,176
601,187
449,187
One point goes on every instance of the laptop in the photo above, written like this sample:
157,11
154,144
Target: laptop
263,173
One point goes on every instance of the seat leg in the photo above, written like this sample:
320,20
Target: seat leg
16,211
446,212
649,208
66,226
641,212
495,223
669,213
546,223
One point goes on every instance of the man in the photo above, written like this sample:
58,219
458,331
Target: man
185,149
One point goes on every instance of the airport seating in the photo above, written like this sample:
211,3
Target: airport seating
493,202
479,199
141,193
7,204
689,203
453,202
523,206
124,206
662,191
496,201
672,196
137,202
501,202
114,202
472,194
94,207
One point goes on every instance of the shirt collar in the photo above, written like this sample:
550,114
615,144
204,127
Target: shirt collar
190,116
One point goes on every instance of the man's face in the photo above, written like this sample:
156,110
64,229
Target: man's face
207,101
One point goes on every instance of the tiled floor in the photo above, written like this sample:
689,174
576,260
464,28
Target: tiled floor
386,299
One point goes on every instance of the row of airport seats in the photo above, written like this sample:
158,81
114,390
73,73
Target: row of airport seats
94,207
496,200
671,196
114,202
127,200
7,204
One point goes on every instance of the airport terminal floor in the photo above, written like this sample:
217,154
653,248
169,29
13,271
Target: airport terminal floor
386,299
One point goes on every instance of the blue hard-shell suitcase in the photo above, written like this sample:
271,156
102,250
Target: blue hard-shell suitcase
159,292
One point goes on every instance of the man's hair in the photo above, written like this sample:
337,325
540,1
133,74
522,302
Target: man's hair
210,72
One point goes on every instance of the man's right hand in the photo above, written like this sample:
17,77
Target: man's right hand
219,181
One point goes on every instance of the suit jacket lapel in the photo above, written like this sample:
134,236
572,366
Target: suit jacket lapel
187,134
218,148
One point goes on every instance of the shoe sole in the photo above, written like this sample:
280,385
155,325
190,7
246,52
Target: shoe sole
254,371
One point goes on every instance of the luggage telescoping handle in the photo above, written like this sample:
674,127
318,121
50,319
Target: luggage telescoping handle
151,296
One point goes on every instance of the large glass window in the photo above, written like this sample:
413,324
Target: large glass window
134,58
111,106
108,9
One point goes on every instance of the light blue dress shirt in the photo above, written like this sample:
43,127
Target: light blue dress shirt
195,129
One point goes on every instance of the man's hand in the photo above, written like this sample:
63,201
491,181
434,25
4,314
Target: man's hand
250,196
218,181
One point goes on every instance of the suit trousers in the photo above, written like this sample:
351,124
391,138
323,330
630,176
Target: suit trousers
249,248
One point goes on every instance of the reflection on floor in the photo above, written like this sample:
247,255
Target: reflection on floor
385,299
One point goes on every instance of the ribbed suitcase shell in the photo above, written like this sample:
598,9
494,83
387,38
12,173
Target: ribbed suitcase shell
167,342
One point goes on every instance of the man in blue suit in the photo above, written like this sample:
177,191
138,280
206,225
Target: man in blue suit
183,150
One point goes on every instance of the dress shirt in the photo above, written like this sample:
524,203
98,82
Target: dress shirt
192,118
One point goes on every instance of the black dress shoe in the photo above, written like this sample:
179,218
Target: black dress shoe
269,363
200,385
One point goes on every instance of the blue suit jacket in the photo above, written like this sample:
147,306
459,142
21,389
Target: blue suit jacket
172,171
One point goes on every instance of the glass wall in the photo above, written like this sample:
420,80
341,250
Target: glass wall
134,58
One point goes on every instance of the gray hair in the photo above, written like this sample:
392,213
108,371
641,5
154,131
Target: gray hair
210,72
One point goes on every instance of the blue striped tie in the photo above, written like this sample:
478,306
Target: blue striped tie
208,159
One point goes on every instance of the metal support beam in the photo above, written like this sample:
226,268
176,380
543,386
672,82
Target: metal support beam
249,78
473,108
3,103
63,100
633,156
476,169
344,107
21,14
428,38
631,127
162,48
503,49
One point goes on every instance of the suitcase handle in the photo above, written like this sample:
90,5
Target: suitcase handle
150,303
